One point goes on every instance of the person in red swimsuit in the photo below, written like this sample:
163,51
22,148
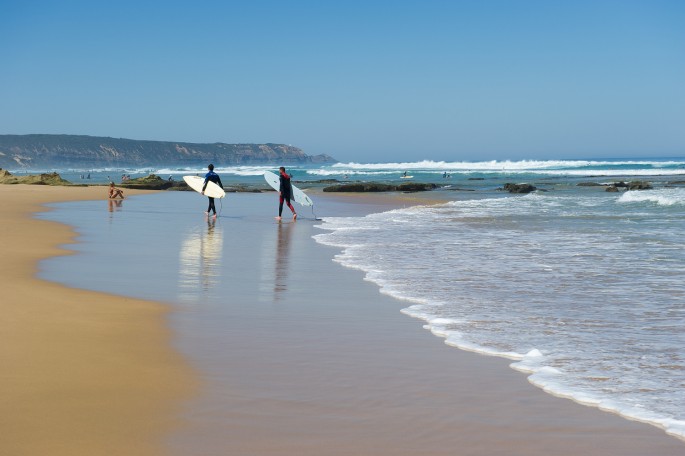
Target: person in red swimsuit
285,191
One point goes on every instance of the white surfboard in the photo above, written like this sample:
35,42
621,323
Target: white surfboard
196,183
298,195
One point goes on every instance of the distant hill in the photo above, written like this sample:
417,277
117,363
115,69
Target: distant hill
51,151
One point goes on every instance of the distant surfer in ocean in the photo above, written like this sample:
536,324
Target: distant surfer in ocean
213,177
285,191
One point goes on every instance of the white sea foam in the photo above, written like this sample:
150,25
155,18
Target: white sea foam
534,279
540,167
350,172
661,197
496,165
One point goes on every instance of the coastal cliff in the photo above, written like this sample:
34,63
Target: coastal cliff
40,151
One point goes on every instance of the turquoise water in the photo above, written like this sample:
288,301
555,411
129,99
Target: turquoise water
447,173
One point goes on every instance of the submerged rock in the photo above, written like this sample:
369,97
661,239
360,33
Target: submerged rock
151,182
639,185
633,185
415,187
519,188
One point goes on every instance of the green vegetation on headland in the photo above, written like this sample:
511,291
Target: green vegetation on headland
34,179
74,151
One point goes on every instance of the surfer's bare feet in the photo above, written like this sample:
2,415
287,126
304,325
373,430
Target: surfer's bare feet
214,216
206,212
294,216
278,218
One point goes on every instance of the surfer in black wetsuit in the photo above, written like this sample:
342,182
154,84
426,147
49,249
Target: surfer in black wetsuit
213,177
286,190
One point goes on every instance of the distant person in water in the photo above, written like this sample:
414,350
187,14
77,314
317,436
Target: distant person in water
115,192
285,190
211,176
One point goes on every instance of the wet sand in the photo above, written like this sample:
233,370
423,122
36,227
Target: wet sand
316,361
81,373
327,367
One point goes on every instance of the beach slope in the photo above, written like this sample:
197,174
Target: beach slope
81,373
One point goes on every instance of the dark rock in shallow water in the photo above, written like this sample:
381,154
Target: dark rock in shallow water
519,188
415,187
634,185
151,182
589,184
639,185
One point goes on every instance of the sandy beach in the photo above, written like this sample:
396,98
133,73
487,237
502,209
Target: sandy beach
81,373
326,366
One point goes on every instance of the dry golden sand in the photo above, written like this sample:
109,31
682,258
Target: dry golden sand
81,373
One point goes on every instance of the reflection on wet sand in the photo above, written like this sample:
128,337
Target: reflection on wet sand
281,270
114,204
273,278
200,260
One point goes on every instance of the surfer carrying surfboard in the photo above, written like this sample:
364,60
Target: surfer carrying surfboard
285,190
211,176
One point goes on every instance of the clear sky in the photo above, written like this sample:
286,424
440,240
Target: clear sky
368,81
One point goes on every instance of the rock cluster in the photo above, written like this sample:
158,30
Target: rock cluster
151,182
519,188
33,179
634,185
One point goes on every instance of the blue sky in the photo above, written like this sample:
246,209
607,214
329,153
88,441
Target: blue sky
369,81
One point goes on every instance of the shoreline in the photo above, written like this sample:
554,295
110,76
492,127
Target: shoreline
427,199
477,406
82,372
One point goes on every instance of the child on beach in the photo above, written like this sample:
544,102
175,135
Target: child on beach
115,192
213,177
285,191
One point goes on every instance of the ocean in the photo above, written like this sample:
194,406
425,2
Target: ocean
471,175
581,288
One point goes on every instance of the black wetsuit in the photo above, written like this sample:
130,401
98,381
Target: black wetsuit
214,177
